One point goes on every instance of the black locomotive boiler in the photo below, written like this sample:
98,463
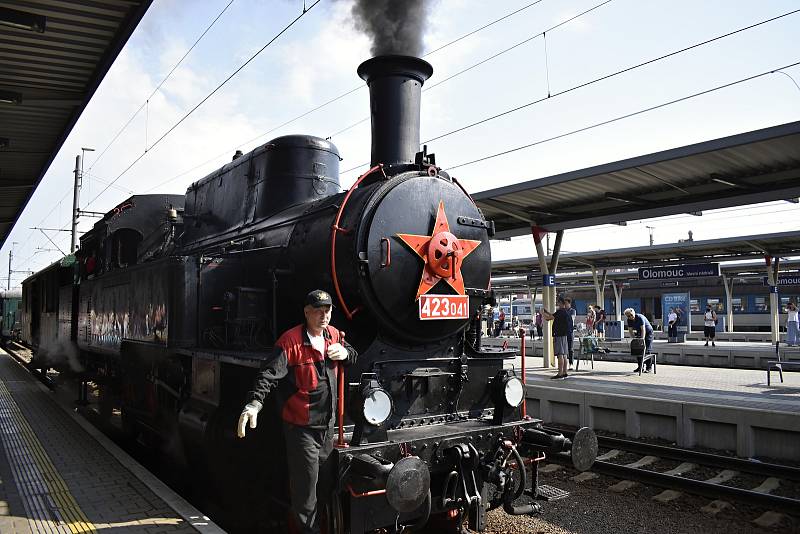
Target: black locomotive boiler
179,300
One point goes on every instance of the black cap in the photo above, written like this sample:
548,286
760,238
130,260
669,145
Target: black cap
318,298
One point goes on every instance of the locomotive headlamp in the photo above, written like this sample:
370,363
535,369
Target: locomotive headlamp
377,406
507,393
370,407
513,392
373,404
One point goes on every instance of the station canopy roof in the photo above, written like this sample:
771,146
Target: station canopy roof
53,56
784,244
758,166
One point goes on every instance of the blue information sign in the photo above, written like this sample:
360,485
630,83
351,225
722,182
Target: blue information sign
548,280
679,303
679,271
786,280
773,289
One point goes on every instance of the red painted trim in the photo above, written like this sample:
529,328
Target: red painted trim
366,493
538,233
524,380
336,228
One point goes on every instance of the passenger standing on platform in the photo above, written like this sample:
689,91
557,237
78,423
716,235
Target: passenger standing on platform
562,326
590,320
791,325
672,324
501,323
709,325
639,326
301,371
600,322
539,323
573,313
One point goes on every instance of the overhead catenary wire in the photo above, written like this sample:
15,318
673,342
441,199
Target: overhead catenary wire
121,130
339,97
621,117
152,94
573,88
611,75
584,84
490,58
209,95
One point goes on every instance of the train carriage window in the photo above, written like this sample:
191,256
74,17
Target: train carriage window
716,304
736,304
761,304
784,303
694,305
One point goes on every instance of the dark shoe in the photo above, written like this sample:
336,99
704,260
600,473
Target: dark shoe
637,369
706,343
713,344
647,370
556,377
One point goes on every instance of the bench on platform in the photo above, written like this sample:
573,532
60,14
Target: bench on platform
779,364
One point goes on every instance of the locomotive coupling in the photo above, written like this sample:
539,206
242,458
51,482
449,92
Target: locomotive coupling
582,447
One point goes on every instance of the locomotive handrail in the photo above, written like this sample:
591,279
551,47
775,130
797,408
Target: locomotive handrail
336,228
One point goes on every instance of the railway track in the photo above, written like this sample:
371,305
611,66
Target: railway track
726,469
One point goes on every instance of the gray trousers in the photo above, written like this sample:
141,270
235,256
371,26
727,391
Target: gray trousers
306,450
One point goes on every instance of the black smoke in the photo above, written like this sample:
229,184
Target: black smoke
395,26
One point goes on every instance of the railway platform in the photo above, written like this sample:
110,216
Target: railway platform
60,474
732,354
721,409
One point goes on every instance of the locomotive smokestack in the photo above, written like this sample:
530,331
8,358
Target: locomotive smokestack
395,86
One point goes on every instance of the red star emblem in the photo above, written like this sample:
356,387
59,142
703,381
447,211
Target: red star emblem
442,253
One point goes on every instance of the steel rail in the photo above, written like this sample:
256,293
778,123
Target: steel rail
703,458
688,485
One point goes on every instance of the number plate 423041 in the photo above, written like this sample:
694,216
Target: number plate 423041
443,307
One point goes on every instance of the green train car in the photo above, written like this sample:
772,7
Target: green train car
10,319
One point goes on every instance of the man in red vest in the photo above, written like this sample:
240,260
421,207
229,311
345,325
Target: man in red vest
302,372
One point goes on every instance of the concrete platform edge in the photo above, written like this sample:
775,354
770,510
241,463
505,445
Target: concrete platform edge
182,507
747,431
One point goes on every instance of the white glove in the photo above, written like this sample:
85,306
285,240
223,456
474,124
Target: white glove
249,413
337,352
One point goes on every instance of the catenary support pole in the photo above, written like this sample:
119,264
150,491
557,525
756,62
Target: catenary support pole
10,257
75,198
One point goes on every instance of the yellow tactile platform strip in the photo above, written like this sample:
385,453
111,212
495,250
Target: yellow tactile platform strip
45,495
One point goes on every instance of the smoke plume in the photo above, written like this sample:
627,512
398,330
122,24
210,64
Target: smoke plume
395,26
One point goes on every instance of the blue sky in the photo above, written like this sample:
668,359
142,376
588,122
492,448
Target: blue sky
316,59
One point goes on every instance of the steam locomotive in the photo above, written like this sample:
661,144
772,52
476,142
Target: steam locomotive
174,302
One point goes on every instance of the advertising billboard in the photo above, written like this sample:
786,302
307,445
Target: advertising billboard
679,302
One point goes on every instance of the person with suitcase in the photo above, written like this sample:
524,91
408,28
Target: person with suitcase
640,328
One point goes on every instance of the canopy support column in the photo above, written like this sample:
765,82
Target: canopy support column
617,287
728,283
548,292
774,302
600,287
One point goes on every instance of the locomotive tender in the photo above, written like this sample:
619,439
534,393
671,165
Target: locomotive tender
178,299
